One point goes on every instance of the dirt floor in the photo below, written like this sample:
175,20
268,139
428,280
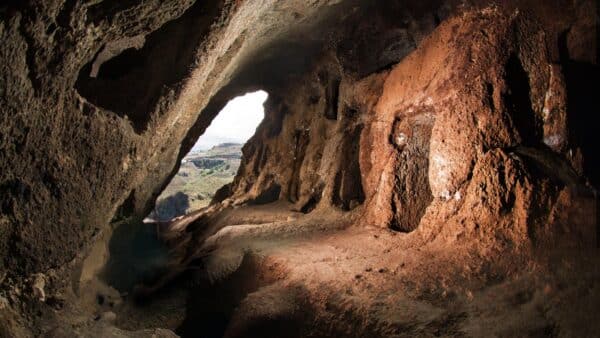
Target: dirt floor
277,272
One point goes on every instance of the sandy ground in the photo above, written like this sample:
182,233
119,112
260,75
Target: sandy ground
274,272
322,274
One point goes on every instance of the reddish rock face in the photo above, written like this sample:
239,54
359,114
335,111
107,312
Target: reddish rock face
415,134
414,155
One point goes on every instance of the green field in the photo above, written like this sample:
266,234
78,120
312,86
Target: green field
201,174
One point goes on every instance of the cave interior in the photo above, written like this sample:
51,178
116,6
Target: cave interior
422,169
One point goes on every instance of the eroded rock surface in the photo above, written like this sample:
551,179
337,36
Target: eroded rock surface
417,163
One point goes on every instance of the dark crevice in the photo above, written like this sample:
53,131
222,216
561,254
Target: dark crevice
489,91
222,193
261,159
107,8
314,199
310,205
14,193
132,83
436,19
331,83
63,19
548,163
255,164
582,109
350,112
119,66
271,194
275,111
332,98
51,29
301,140
411,193
126,209
518,103
347,191
30,58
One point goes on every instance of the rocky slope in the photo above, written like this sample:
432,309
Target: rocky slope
423,169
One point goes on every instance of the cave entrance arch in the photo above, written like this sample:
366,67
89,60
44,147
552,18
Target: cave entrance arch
214,159
317,51
135,251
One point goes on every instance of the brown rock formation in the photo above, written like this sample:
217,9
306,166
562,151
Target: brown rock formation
422,169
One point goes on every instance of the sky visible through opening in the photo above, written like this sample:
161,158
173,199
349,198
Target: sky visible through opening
207,168
236,123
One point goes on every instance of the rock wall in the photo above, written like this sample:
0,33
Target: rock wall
466,123
67,163
308,144
486,87
101,99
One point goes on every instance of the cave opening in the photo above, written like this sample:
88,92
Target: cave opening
404,157
135,252
213,161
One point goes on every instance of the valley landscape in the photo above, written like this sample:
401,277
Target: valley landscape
201,174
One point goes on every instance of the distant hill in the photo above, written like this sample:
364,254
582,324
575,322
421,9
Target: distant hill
221,149
201,174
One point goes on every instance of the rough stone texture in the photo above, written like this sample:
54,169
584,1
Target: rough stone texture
469,127
97,134
309,152
60,193
464,142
